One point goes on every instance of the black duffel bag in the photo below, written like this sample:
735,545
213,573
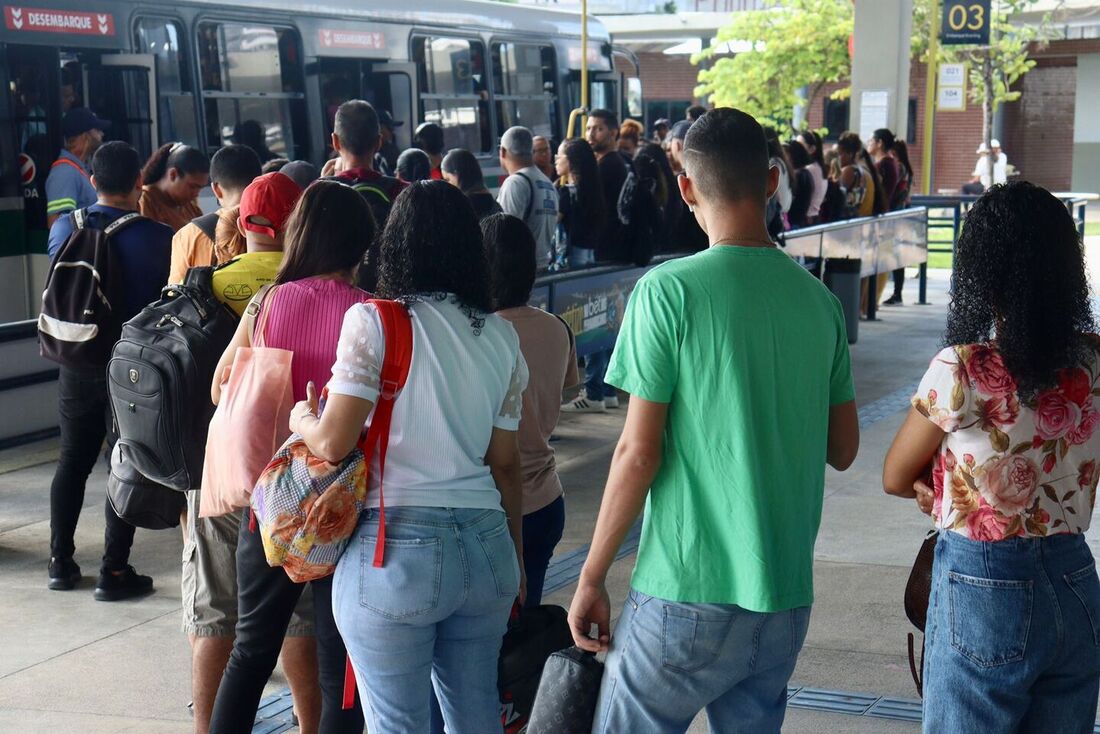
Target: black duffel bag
139,501
531,638
567,695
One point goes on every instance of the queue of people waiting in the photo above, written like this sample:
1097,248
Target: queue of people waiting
1000,447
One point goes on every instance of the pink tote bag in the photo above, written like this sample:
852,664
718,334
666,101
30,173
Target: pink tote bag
250,423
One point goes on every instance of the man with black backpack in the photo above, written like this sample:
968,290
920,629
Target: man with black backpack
119,280
356,137
231,170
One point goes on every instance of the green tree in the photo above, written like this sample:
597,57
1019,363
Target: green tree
797,47
995,68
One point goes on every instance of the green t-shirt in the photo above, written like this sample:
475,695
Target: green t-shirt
749,351
238,280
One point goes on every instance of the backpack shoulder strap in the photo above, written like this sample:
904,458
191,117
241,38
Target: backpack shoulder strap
80,218
530,197
572,338
396,361
124,220
207,224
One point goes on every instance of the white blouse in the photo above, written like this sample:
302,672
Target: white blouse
467,377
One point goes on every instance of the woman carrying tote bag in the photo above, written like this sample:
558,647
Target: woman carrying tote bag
327,237
434,611
1007,418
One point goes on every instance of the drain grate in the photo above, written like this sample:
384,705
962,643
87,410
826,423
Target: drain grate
839,702
275,714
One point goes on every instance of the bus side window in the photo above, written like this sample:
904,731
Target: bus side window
454,91
163,38
524,87
253,89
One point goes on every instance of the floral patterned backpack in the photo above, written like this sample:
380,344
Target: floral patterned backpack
307,508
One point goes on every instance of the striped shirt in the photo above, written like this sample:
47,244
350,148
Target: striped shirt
69,185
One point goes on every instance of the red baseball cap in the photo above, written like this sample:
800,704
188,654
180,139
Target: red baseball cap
271,196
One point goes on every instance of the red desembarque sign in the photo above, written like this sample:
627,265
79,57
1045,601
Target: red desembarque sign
352,39
58,21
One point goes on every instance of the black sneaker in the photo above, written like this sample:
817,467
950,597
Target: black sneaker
124,584
894,300
64,574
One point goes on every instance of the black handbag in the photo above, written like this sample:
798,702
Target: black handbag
917,592
533,635
140,501
568,691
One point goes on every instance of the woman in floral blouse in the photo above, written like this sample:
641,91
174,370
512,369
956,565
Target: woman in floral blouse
1001,448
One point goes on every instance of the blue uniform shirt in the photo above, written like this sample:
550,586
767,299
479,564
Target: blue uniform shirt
143,250
69,185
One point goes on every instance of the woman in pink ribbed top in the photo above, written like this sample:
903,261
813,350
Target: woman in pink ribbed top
327,237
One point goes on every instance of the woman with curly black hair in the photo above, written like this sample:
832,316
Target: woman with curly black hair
436,610
1001,449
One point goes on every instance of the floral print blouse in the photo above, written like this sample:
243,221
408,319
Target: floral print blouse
1009,468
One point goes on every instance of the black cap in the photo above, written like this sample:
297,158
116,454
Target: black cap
385,119
80,120
680,130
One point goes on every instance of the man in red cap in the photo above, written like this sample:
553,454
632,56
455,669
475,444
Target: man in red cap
265,208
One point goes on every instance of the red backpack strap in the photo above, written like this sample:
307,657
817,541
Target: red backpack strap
397,330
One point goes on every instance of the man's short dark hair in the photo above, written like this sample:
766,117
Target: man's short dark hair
234,166
429,138
726,155
607,116
357,127
116,167
695,112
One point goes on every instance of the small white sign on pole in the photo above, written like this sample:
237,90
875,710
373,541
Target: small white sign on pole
952,75
874,111
951,96
951,99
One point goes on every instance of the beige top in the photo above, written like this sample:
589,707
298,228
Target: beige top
551,354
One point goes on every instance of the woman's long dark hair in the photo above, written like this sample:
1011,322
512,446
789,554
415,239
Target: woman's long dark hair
1019,277
183,158
329,231
586,176
818,156
851,144
463,164
668,190
901,152
432,244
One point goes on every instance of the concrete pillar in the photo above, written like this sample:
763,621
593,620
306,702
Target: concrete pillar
880,67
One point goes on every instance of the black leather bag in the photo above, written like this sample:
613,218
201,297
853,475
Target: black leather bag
139,501
532,637
568,691
159,380
917,592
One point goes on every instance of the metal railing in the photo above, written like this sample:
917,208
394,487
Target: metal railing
882,244
947,213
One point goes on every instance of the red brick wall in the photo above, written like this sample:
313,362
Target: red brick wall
668,77
1038,129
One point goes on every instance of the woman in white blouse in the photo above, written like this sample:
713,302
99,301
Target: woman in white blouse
435,612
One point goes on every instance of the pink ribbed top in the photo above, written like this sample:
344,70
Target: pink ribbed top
305,317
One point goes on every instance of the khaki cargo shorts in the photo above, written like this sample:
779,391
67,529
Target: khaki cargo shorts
209,580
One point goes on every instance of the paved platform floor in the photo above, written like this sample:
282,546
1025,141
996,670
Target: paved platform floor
70,664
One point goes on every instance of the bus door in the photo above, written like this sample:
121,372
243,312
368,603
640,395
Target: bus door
604,92
389,87
44,82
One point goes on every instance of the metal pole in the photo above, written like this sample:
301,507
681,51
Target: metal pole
932,72
584,62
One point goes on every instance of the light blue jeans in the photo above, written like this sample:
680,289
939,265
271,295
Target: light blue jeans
1013,636
668,661
433,615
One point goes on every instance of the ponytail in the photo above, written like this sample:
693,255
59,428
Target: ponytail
183,158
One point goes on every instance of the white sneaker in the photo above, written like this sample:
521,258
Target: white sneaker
581,404
611,402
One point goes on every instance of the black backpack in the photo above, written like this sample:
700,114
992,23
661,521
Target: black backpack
80,319
640,214
379,194
159,379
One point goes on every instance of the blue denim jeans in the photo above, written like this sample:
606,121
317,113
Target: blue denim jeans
595,367
432,616
581,257
1013,636
668,661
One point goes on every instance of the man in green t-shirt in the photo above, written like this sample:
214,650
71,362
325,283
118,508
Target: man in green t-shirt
736,361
